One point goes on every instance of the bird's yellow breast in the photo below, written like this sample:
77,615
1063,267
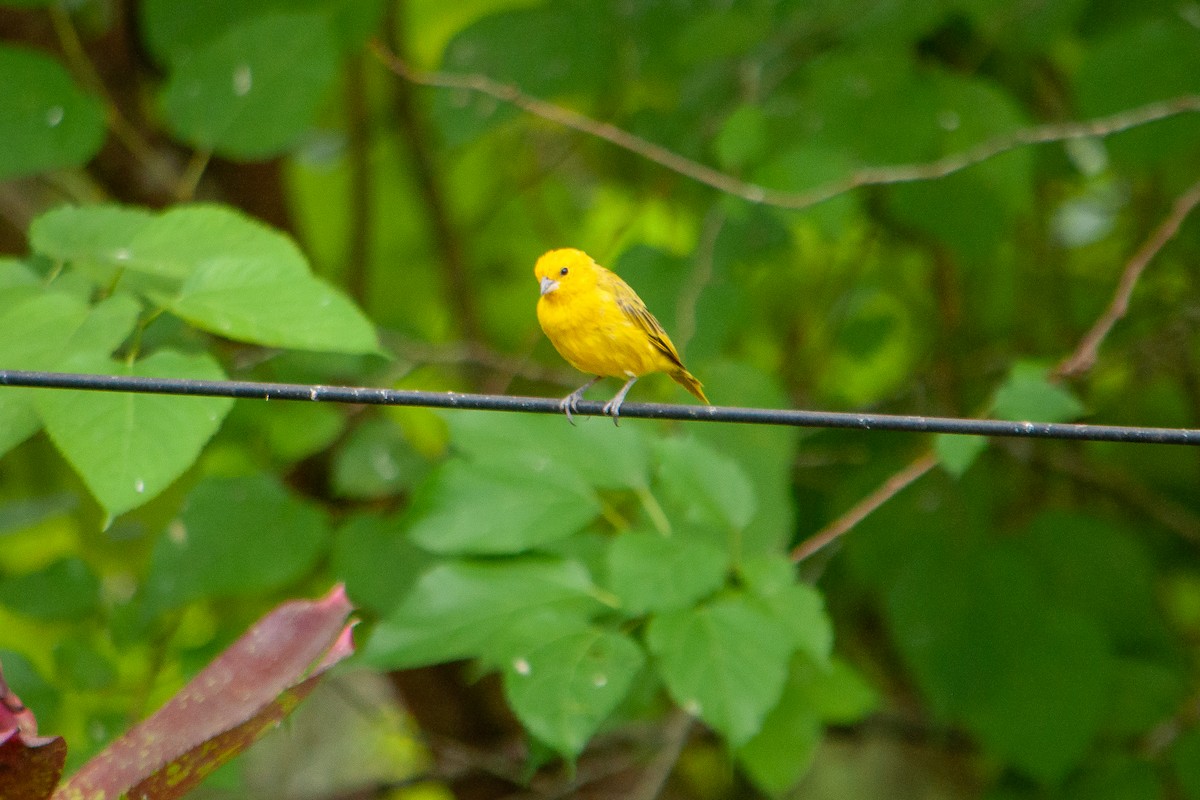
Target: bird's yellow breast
591,332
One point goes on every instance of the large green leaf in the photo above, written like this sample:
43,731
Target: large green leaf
253,91
707,483
46,122
458,607
213,266
375,561
724,661
797,606
479,509
235,536
38,331
129,447
779,754
766,455
987,647
652,572
606,458
563,688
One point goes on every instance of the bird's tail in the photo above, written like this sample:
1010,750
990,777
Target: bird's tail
688,381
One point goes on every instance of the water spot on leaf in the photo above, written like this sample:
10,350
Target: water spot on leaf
521,667
54,116
243,80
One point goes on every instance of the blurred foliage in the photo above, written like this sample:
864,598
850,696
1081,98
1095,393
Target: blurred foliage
241,189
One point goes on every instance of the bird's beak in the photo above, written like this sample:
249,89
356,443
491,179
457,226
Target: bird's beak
548,285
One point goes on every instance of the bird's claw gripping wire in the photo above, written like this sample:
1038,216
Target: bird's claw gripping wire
570,403
613,407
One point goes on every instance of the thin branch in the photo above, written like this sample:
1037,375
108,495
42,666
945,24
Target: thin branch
1085,354
754,193
1080,360
895,484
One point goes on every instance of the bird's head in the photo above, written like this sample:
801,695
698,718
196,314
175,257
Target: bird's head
565,271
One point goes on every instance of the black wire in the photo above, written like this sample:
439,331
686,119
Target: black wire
546,405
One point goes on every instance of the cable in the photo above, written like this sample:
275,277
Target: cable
546,405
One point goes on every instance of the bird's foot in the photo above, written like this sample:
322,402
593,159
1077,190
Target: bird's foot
613,409
570,404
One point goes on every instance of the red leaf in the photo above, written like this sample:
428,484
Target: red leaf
30,765
237,698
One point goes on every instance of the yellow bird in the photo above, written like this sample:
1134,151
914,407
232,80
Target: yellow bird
599,325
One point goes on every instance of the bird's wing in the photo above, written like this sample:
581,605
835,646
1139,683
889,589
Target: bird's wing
632,307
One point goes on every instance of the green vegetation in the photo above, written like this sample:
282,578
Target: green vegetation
883,205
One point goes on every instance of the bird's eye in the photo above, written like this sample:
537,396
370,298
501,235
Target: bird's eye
562,271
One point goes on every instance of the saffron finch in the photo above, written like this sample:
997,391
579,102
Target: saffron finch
599,325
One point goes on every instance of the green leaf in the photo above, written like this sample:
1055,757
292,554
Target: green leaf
742,139
956,454
129,447
709,484
66,589
37,331
766,456
606,458
652,572
1100,569
235,536
779,754
1027,394
800,167
458,607
376,460
295,431
100,234
564,688
1030,679
171,29
253,91
271,305
1137,63
725,662
798,606
378,565
546,50
840,694
246,281
489,509
216,268
47,122
15,274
